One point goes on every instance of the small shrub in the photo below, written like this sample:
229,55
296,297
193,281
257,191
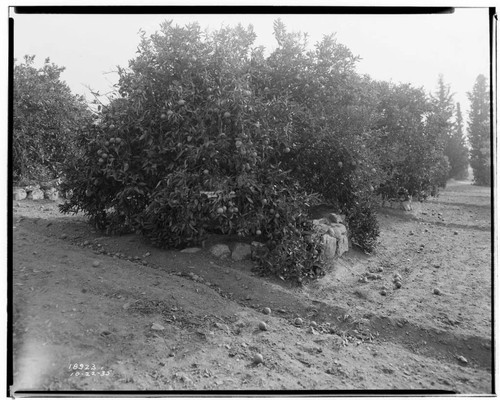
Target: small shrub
363,226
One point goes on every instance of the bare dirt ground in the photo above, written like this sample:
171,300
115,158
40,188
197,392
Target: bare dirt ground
147,319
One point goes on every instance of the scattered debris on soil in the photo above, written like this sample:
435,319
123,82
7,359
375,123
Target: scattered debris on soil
95,312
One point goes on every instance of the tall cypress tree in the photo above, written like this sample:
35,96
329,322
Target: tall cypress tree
460,122
479,131
440,123
456,150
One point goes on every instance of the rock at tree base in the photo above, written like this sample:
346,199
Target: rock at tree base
406,205
258,250
220,250
191,250
334,239
336,218
19,193
330,247
340,233
241,251
53,184
35,194
51,194
327,211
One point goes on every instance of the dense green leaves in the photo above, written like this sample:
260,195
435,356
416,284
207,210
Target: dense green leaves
407,144
209,134
192,146
46,119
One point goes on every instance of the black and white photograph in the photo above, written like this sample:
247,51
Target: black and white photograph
240,200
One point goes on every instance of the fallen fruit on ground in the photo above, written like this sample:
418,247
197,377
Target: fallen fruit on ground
258,359
125,299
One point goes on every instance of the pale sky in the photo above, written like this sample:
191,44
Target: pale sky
400,48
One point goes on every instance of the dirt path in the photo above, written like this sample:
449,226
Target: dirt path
113,313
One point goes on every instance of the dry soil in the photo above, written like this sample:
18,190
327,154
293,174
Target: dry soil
94,312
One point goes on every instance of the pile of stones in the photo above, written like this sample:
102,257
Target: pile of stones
46,190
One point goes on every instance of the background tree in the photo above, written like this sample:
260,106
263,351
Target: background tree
456,149
47,117
408,143
479,131
440,123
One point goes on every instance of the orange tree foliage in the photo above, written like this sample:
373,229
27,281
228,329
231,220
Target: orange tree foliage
208,134
46,119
